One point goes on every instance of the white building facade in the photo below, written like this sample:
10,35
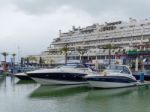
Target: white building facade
93,38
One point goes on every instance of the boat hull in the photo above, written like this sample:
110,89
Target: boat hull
110,82
58,78
57,82
22,76
96,84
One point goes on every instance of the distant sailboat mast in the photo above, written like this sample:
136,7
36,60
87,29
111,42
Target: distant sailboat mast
19,60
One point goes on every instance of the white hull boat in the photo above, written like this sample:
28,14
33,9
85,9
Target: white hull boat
70,74
97,84
116,76
57,82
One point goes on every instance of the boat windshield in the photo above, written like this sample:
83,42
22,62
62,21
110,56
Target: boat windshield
118,69
73,66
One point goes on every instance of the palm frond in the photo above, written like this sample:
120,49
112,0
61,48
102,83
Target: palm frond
81,51
14,54
109,46
4,53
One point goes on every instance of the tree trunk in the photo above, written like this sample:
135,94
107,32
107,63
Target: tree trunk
14,62
65,58
28,62
109,54
80,58
5,58
5,68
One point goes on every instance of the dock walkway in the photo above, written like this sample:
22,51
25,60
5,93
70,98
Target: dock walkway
143,83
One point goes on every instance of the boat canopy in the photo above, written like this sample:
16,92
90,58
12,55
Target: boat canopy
118,69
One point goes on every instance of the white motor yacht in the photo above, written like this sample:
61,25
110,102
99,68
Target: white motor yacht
115,76
66,74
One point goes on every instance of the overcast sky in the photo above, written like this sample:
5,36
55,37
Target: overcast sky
31,25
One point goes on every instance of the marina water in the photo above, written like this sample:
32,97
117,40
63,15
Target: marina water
28,96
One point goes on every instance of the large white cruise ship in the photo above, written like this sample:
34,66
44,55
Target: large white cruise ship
94,37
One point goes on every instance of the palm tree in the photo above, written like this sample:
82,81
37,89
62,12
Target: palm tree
50,61
40,61
147,44
26,60
148,41
32,59
5,54
124,51
81,51
64,51
109,47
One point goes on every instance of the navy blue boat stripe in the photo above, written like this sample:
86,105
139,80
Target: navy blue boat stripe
118,79
59,76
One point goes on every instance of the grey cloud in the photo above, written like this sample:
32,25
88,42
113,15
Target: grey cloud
4,3
129,7
94,10
37,6
40,6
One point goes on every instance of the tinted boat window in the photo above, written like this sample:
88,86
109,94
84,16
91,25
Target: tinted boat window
126,70
80,66
115,67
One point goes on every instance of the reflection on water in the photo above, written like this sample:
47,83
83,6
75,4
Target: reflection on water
24,96
25,82
132,99
106,93
58,91
1,80
143,91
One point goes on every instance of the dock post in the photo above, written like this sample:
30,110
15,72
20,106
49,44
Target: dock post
141,77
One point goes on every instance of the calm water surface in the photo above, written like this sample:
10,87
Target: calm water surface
25,96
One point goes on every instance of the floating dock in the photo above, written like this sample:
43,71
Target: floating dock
139,83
